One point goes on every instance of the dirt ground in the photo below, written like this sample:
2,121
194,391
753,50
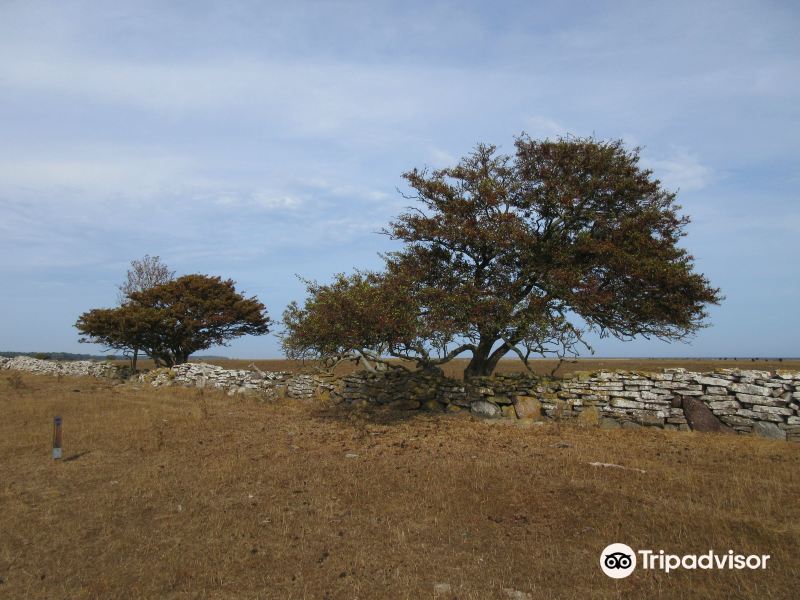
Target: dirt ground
177,493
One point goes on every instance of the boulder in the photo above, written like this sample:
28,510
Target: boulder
484,408
527,407
700,417
768,430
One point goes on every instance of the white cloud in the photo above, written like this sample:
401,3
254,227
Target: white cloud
681,170
259,200
102,175
441,158
539,126
269,201
96,174
306,98
343,190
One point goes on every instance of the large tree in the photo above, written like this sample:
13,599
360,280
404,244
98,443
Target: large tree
172,320
525,253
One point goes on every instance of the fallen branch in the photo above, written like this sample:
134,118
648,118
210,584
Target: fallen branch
613,466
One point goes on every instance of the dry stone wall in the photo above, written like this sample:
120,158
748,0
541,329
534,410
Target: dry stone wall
744,401
760,402
238,381
200,375
67,367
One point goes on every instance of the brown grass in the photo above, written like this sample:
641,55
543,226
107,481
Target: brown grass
173,493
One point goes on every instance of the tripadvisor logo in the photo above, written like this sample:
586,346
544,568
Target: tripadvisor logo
619,560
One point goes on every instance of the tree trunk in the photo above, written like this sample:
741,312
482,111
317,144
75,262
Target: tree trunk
479,365
161,359
133,360
484,361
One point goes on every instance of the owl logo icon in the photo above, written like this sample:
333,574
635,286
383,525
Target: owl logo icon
618,560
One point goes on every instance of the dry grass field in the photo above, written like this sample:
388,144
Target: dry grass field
176,493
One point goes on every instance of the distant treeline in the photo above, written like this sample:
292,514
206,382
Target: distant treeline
73,356
61,356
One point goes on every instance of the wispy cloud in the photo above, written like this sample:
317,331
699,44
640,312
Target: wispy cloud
441,158
96,175
305,98
680,170
539,126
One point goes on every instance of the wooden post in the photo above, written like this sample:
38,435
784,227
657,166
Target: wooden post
56,438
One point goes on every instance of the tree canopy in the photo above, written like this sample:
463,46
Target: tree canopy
172,320
519,253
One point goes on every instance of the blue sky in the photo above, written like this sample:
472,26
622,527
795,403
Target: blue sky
259,140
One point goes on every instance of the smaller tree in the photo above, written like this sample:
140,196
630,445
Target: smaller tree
370,318
122,329
173,320
341,321
144,273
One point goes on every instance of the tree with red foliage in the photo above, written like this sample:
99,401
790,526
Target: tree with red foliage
522,254
173,320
